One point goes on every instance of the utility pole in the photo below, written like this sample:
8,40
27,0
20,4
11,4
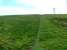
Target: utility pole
54,10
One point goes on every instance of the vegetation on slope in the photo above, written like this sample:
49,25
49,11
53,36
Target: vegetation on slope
33,32
18,32
52,34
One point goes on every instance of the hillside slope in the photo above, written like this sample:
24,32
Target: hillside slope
53,35
18,32
33,32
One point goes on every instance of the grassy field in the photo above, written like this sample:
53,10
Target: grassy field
33,32
53,32
18,32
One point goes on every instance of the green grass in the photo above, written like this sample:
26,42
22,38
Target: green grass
52,34
18,32
33,32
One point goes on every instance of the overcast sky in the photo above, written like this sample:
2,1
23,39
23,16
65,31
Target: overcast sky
32,6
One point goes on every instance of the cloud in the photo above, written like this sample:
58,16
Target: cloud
44,4
34,7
